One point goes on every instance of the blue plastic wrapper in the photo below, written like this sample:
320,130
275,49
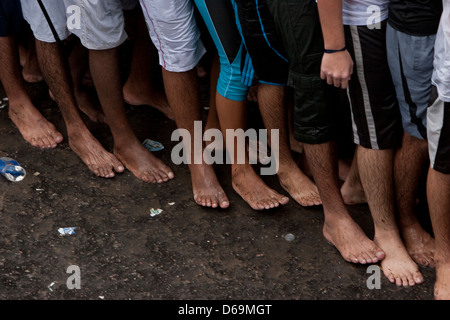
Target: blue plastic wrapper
152,145
11,170
155,212
67,231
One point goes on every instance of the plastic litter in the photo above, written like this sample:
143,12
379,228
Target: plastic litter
289,237
152,145
171,203
68,231
51,285
155,212
4,102
11,169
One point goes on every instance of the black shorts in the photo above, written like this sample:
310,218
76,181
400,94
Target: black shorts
268,60
298,26
375,111
10,17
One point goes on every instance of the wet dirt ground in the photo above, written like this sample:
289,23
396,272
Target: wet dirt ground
185,252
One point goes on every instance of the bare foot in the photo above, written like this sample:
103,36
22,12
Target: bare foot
353,244
35,129
144,165
397,266
419,244
92,153
300,187
442,284
206,188
353,192
139,95
253,189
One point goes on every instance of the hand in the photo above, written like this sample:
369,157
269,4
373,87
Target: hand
337,68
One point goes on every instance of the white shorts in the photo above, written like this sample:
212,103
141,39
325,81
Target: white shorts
99,24
174,32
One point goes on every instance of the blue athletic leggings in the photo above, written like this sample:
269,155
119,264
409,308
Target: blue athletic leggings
219,19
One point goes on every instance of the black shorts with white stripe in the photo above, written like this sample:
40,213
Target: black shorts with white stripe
438,131
375,112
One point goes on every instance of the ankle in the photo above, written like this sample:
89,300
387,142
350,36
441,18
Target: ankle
442,258
387,235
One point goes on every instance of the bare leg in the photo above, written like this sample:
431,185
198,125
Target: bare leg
78,66
295,145
34,128
104,66
81,141
352,190
438,189
339,228
182,93
140,87
213,119
79,63
376,171
274,113
232,115
409,163
344,168
31,71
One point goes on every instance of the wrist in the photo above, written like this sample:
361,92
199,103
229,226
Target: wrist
334,50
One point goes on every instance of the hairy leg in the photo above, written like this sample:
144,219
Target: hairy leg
271,101
438,189
352,190
141,87
81,141
339,228
182,93
34,128
104,66
31,71
232,116
409,164
78,64
376,172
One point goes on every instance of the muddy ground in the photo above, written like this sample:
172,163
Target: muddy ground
186,252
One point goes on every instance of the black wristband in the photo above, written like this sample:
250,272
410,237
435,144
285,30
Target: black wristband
333,51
